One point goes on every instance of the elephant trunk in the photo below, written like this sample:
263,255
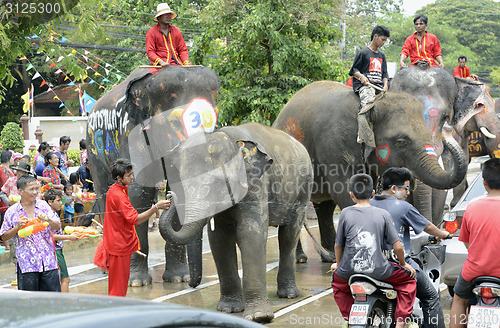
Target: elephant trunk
172,231
431,173
194,252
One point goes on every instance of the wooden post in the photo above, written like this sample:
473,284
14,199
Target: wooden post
24,126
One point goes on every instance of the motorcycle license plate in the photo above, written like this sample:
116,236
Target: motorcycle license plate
483,317
358,314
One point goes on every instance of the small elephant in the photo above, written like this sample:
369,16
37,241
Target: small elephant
247,177
323,117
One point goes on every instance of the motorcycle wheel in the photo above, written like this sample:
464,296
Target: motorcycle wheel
378,317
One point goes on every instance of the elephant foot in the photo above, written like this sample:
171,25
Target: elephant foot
300,258
139,279
259,313
230,305
176,275
288,292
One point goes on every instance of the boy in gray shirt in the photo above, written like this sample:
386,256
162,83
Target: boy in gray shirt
362,231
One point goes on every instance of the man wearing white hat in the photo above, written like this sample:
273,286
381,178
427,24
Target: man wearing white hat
164,42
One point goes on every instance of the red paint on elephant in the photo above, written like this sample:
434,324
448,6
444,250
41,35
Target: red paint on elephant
292,127
383,153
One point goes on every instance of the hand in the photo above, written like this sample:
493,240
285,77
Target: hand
402,65
441,65
334,266
364,80
22,221
163,204
73,237
163,64
411,269
474,77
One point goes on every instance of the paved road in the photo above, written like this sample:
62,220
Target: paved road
314,307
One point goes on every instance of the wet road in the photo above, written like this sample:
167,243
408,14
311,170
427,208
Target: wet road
314,307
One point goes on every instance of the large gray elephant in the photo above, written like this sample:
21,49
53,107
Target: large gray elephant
247,177
446,101
323,117
139,120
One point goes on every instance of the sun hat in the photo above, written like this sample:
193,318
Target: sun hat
162,9
22,166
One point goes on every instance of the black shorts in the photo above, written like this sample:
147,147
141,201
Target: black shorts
463,288
46,281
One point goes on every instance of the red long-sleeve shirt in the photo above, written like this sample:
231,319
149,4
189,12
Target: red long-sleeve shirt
426,50
461,72
119,235
171,48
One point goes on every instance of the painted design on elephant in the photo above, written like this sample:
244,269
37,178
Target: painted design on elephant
247,152
431,117
104,144
292,127
496,153
476,143
109,120
430,151
198,116
383,153
137,94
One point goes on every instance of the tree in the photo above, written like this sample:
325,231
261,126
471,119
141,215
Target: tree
11,136
20,20
266,50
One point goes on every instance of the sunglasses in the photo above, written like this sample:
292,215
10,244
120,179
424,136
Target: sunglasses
404,187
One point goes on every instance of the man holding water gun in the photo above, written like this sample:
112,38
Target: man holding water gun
36,262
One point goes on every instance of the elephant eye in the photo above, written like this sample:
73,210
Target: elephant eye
401,142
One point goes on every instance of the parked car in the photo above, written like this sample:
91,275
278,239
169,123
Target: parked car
22,309
456,253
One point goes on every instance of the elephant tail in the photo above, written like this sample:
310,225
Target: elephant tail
323,252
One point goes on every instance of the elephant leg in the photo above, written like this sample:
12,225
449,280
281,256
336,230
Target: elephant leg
176,269
421,198
438,201
251,236
288,236
223,245
326,228
300,256
139,275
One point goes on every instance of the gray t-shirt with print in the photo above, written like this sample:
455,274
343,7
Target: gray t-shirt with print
361,232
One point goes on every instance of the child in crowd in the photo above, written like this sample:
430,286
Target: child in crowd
361,232
69,204
74,180
54,198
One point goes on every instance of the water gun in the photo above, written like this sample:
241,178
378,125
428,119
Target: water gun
46,187
86,196
32,227
14,198
82,232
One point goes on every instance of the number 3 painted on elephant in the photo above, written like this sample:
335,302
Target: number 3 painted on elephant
198,116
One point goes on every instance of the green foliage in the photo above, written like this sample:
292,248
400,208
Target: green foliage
264,51
11,136
74,155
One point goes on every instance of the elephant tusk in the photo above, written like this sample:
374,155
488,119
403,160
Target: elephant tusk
487,133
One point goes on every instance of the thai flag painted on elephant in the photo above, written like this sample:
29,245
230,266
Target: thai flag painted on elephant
430,150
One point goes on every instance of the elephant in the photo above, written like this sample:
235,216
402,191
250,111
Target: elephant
480,137
323,117
445,101
270,187
144,103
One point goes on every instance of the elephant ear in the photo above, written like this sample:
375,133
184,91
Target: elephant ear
256,159
470,100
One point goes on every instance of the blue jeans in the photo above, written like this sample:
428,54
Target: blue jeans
429,298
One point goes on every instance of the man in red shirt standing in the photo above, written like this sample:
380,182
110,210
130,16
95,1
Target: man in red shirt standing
421,45
479,232
164,42
463,71
119,235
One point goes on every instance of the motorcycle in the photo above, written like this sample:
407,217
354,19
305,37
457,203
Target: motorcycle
375,301
486,311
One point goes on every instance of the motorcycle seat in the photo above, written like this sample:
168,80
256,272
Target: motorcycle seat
362,277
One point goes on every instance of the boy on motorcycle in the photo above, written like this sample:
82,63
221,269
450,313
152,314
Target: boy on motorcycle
362,231
479,232
396,187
